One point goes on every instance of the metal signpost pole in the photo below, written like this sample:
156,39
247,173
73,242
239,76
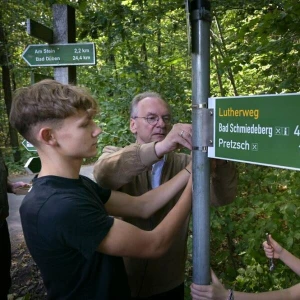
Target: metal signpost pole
200,25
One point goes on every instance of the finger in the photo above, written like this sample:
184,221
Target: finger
199,289
276,247
185,135
268,249
187,128
265,244
186,144
184,139
181,133
268,255
188,132
110,149
269,252
214,278
272,241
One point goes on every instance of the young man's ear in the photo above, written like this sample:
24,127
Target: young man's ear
46,136
133,126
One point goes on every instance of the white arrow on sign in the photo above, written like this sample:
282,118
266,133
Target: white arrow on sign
33,165
29,146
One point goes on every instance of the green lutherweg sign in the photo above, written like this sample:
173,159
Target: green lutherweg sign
57,55
263,130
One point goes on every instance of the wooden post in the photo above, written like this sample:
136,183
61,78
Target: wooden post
64,31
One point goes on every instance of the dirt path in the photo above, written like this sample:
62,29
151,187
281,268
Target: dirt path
26,278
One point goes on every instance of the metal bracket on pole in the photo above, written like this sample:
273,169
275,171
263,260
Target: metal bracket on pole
209,125
207,121
202,12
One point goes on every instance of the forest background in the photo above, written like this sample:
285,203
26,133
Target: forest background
145,45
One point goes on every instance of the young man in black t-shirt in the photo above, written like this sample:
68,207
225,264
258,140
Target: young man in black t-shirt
67,218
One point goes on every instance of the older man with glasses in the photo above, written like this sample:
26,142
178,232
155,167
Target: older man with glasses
145,165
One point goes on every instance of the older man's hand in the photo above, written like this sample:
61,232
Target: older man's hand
179,136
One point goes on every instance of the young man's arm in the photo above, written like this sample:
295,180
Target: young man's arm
127,240
124,205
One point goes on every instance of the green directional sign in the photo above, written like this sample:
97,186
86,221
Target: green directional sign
262,130
57,55
28,146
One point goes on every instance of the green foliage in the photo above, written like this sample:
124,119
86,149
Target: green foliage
267,202
261,47
16,168
144,45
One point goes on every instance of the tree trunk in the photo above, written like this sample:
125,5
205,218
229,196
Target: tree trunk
223,53
4,62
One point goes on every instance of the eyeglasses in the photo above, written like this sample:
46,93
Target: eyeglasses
153,119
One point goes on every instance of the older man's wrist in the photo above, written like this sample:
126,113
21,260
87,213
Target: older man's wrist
147,154
158,151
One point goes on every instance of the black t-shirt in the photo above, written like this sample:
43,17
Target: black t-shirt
64,220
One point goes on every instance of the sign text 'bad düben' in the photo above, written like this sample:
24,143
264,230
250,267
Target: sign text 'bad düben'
57,55
262,130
